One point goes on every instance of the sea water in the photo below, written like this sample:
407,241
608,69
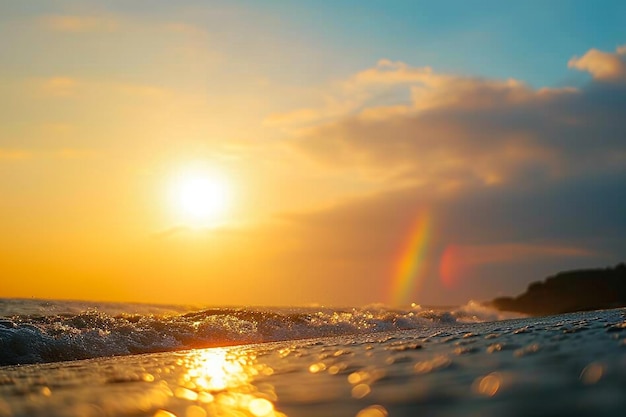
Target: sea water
36,331
87,359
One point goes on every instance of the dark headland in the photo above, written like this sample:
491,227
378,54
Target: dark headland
571,291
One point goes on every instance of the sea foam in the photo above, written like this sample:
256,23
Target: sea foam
60,331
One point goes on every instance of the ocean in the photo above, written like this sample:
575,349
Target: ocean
71,358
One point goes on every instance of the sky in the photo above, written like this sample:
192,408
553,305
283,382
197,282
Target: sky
312,152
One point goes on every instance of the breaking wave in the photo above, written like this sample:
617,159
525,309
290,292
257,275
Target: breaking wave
63,336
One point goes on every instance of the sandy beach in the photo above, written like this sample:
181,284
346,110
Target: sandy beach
573,364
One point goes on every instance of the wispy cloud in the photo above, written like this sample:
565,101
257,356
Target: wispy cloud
514,252
39,154
70,153
79,23
66,87
59,86
14,154
459,261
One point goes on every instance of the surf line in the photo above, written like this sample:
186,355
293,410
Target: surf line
408,268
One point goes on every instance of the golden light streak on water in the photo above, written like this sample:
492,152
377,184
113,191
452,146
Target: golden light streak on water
221,382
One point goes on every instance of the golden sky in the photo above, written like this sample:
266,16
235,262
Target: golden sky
232,154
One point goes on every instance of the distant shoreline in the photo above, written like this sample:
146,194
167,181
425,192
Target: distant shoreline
570,291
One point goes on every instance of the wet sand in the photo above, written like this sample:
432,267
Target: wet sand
572,365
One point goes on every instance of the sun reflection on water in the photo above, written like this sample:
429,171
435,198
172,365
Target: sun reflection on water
219,382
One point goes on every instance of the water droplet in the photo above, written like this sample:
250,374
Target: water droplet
528,350
488,385
463,350
356,377
373,411
361,390
337,368
163,413
186,394
260,407
205,397
438,362
496,347
317,367
592,373
195,411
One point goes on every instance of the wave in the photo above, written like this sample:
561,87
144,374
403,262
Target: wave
37,338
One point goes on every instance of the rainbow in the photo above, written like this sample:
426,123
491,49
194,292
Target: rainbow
408,269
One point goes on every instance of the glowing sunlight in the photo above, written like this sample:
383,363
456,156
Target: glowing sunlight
222,380
200,199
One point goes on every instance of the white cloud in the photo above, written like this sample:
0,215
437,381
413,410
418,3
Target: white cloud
604,66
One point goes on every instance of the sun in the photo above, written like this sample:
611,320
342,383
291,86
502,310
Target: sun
201,199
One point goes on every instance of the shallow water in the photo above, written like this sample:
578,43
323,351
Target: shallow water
572,365
35,331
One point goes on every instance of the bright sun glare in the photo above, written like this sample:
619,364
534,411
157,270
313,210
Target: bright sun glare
201,199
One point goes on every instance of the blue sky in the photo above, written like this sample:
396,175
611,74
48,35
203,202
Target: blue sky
528,40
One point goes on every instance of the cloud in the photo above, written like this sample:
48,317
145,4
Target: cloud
37,154
457,260
510,252
185,28
79,24
604,66
200,232
59,86
74,87
483,241
520,182
14,154
70,153
463,130
394,72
